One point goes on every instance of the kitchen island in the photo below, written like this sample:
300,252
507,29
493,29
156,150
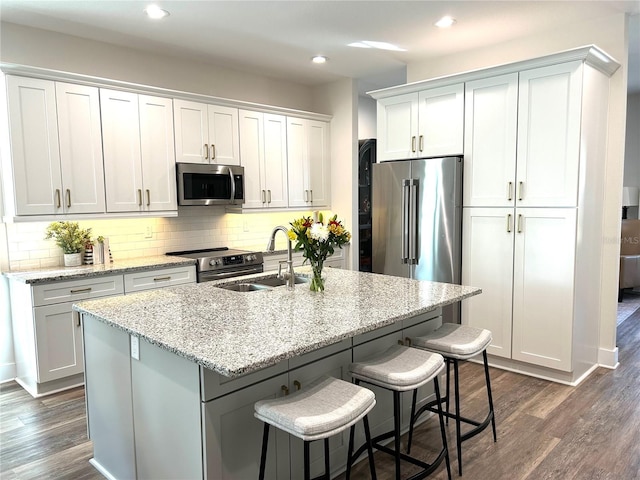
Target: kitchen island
172,375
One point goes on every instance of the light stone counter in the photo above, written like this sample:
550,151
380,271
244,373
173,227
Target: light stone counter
234,333
46,275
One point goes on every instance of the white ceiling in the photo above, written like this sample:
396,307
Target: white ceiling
278,38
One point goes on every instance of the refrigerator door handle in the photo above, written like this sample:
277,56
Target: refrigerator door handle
413,221
406,190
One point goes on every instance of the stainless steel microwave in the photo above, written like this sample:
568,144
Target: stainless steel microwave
210,184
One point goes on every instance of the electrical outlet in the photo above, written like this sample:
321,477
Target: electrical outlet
135,347
148,233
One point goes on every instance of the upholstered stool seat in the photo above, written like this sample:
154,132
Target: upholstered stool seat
402,369
321,410
457,342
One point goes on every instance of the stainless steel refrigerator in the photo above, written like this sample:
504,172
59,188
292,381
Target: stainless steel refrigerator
417,221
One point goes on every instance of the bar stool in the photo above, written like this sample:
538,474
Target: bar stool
457,342
321,410
402,369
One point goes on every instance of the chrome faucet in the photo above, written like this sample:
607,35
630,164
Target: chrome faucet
289,275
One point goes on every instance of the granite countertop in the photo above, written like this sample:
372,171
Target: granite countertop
45,275
234,333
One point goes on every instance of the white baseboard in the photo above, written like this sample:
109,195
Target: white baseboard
608,358
7,372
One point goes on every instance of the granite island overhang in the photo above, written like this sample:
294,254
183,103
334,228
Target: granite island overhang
171,376
235,333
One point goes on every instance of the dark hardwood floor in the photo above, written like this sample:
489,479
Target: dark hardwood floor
545,430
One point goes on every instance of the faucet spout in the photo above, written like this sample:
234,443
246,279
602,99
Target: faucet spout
289,275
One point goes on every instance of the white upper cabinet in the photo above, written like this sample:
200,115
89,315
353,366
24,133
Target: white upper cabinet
549,114
206,133
308,161
56,147
491,114
428,123
138,152
263,151
80,148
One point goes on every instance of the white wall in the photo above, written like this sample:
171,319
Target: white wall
610,34
367,120
632,148
341,100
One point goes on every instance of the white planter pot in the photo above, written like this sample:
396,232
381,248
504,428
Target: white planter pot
72,259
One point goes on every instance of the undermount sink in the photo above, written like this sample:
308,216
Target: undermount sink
263,284
278,282
245,287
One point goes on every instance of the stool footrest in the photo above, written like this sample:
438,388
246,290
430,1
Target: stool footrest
428,468
479,426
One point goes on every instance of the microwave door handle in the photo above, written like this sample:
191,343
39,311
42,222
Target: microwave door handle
233,187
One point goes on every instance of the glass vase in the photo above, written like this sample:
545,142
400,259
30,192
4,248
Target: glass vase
317,282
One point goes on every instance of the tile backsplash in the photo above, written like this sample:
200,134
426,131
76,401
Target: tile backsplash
194,227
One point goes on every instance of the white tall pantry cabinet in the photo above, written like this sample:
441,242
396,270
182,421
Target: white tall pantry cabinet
534,150
531,188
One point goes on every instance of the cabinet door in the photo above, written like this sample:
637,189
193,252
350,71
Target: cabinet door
296,159
549,112
543,289
397,127
80,148
440,121
34,146
487,253
224,143
275,160
122,160
58,342
157,153
233,436
491,109
335,366
191,131
318,163
252,155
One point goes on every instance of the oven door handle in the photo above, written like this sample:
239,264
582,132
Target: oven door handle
234,273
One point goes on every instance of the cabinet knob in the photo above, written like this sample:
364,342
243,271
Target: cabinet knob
285,389
297,384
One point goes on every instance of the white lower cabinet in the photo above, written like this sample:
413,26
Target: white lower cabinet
47,334
525,260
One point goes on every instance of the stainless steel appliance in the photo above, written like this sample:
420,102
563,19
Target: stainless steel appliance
417,221
204,184
222,262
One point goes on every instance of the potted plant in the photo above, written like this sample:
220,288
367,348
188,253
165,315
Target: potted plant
71,239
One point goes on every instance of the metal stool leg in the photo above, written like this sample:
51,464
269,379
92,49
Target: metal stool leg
367,434
443,432
327,467
352,431
307,474
448,362
486,375
413,414
396,424
456,388
263,456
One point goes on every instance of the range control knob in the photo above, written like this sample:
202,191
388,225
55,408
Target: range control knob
250,258
215,261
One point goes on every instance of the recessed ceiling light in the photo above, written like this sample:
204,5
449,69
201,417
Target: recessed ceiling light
155,12
319,59
377,45
445,22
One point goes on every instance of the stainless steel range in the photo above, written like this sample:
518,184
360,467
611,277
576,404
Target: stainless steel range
222,262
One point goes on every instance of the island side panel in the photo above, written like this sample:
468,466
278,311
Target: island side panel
166,414
108,398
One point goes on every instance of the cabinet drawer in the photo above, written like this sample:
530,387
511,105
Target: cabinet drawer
214,385
166,277
76,290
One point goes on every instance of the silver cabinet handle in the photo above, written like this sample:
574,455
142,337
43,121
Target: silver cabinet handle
206,151
77,317
68,198
509,223
268,196
421,143
213,152
139,197
311,196
162,279
148,197
264,197
57,198
519,223
510,191
413,143
306,195
520,190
